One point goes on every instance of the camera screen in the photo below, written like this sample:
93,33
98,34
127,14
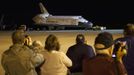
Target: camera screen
113,55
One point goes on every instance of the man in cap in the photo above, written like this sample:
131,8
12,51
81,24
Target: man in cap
103,63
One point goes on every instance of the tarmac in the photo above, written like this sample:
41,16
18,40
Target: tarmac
65,37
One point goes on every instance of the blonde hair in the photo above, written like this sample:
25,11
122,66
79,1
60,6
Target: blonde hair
37,43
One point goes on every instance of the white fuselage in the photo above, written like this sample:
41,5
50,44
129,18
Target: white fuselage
46,18
61,20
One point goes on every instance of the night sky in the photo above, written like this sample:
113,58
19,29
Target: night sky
112,14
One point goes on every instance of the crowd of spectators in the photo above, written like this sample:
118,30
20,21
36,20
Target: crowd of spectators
29,57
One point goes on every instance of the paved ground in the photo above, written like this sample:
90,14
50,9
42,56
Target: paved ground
66,38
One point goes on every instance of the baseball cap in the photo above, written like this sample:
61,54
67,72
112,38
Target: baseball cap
104,38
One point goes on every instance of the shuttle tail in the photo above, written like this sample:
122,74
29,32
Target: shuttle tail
43,9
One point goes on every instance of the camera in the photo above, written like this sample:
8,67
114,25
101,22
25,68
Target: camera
117,45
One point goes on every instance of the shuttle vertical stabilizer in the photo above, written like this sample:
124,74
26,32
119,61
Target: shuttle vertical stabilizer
43,9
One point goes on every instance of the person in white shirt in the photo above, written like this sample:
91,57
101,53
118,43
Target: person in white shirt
56,62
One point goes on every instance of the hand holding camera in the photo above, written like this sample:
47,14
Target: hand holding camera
120,50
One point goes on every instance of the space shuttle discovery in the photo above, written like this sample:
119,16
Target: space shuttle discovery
48,19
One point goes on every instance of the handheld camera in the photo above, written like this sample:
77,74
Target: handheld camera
117,45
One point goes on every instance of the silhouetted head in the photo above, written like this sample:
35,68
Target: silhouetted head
18,37
129,30
80,39
52,43
104,40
